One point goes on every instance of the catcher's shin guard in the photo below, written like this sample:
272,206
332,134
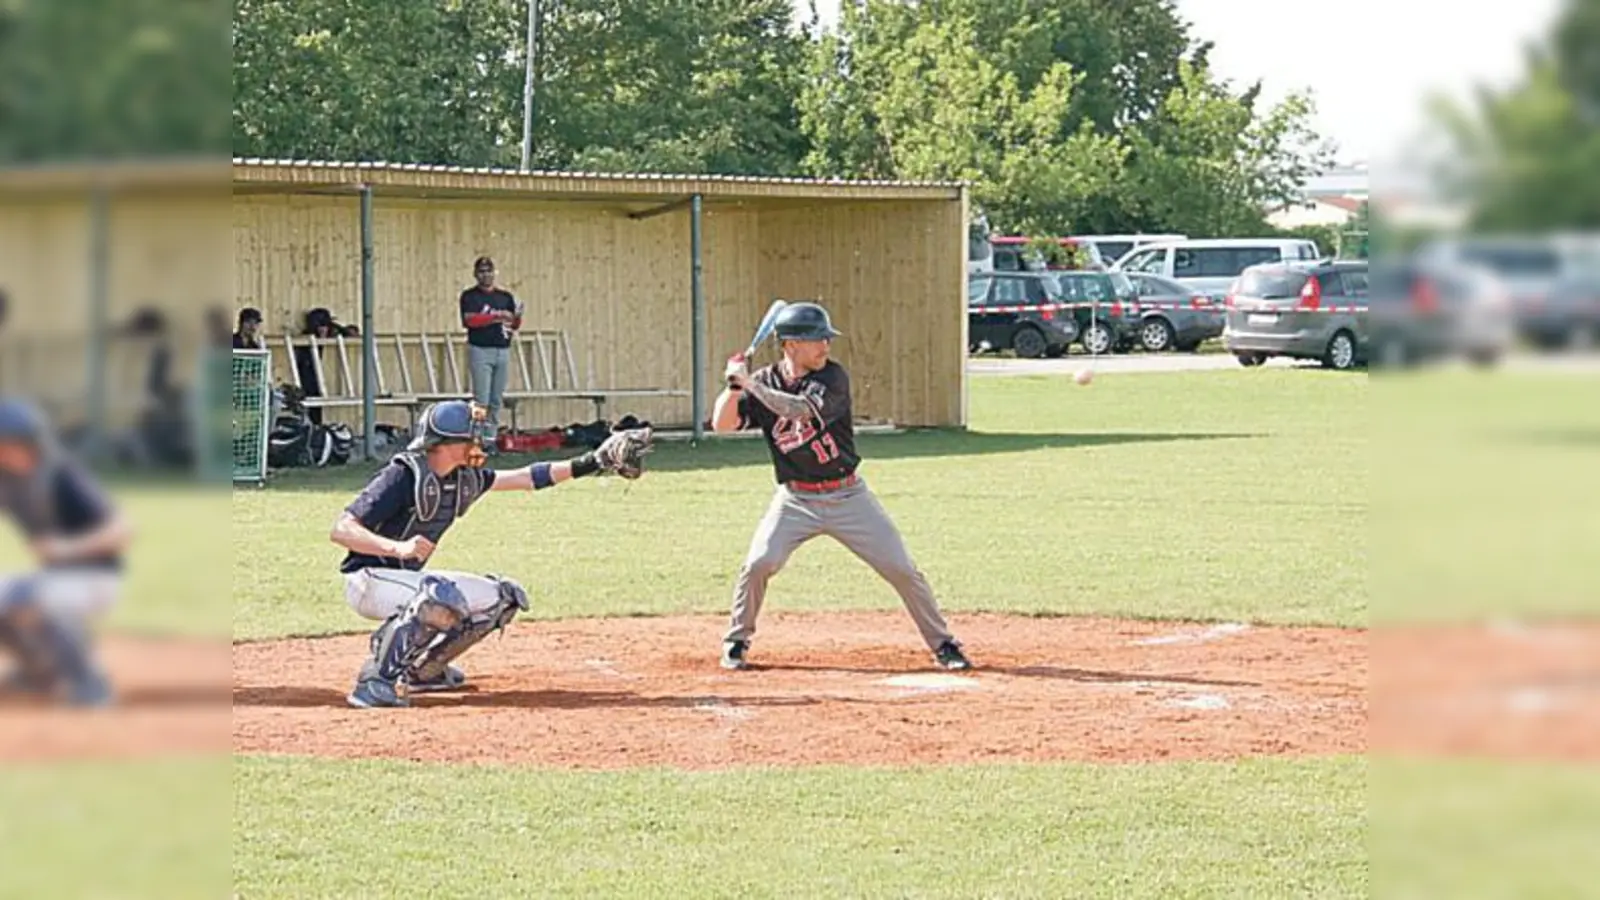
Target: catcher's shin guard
439,607
53,655
472,630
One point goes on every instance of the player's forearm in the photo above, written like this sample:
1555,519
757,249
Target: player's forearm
784,406
110,538
725,412
541,475
350,534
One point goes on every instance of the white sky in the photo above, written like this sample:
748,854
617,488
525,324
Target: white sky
1369,63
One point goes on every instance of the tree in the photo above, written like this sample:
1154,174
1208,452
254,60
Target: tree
926,103
1527,158
1208,165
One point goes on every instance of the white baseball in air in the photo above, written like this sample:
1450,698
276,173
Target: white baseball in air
1084,376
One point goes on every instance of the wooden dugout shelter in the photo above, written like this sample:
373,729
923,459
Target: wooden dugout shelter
83,248
653,279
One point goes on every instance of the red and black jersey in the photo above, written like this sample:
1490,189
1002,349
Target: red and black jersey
818,447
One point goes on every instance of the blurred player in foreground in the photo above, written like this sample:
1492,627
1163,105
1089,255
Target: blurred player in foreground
78,538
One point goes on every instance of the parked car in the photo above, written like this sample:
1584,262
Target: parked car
1210,266
1011,254
1422,311
1113,247
1299,310
1018,311
1552,281
1107,309
1172,316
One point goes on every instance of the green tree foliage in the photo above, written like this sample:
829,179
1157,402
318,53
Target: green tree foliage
111,80
1063,120
1527,158
1066,115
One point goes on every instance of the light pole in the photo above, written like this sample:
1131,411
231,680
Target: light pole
527,84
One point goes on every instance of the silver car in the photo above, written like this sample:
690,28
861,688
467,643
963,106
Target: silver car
1302,311
1173,316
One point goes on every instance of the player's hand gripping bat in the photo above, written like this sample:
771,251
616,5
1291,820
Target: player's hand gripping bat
764,330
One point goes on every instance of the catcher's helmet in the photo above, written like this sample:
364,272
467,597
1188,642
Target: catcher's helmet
20,421
445,423
804,322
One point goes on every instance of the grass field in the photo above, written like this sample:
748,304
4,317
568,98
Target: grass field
1206,496
1266,495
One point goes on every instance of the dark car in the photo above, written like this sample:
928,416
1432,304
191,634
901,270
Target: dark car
1173,316
1106,306
1018,311
1301,310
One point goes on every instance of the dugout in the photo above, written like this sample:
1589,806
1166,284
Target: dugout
110,271
649,280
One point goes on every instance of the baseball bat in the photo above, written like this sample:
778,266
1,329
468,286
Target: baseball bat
764,330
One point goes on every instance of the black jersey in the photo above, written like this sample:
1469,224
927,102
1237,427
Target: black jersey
817,447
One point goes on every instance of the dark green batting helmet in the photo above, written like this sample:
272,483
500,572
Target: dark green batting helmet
804,322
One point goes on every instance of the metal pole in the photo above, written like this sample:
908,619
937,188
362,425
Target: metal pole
697,317
99,316
527,85
369,345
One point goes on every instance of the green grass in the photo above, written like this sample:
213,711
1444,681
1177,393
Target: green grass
1232,495
125,829
380,829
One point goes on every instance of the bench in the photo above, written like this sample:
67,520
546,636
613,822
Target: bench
414,369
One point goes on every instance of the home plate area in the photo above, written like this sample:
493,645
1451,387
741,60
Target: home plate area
846,688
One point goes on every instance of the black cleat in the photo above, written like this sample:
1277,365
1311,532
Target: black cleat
949,656
733,654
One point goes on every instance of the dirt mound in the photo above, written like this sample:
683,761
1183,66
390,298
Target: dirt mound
172,699
848,688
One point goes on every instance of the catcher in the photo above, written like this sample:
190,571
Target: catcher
393,526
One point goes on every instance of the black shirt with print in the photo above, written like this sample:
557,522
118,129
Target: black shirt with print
817,447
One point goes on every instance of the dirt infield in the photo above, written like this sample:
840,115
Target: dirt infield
172,699
847,688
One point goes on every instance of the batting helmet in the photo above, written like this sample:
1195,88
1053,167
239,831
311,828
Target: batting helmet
804,322
445,423
20,421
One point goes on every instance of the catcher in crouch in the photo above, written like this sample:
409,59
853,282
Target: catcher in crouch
393,526
802,406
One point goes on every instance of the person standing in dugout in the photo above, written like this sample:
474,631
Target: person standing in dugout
492,317
802,407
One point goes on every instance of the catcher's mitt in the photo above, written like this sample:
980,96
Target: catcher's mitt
623,452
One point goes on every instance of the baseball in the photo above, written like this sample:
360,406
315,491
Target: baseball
1084,376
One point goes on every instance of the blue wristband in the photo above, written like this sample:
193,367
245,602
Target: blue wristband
541,475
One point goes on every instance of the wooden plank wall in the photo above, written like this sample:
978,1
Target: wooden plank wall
892,278
620,287
167,251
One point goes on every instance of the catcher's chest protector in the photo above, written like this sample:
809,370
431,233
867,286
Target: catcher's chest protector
438,502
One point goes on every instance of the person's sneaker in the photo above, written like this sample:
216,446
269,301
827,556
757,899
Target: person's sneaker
450,679
949,656
733,653
374,693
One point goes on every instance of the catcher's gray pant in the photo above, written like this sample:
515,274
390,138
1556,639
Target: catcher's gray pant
380,593
853,517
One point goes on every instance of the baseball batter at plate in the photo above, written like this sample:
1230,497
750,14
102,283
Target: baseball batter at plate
802,407
393,526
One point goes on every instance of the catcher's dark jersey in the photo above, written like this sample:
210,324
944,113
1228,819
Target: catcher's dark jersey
59,500
818,447
395,504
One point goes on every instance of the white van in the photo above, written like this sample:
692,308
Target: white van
1209,266
1113,247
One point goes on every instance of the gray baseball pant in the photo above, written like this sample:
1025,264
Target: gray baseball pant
853,517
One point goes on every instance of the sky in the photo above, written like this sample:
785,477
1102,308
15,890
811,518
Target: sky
1370,64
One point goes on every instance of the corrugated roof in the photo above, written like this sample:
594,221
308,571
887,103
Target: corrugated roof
551,173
